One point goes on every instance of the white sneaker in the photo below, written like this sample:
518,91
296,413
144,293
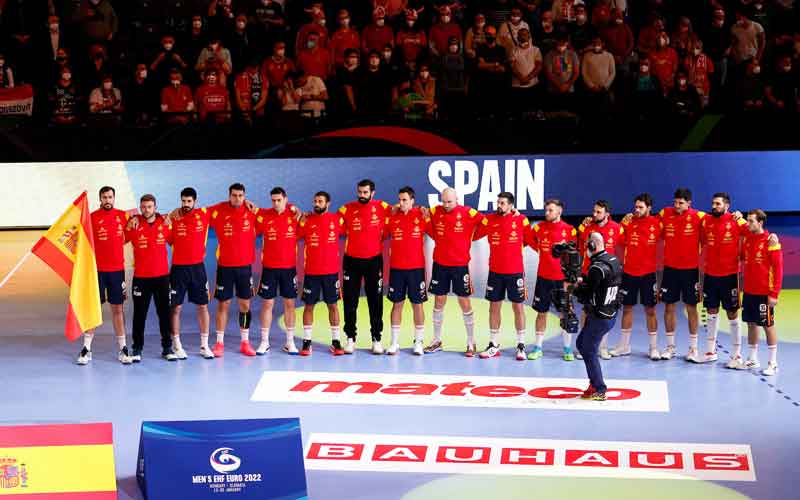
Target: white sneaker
654,354
350,346
84,357
263,347
622,350
752,364
710,357
180,353
604,354
770,370
377,347
290,348
578,355
418,349
735,363
205,351
669,353
123,356
393,349
490,352
693,356
521,356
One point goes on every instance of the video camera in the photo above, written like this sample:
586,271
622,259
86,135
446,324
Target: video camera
562,298
570,260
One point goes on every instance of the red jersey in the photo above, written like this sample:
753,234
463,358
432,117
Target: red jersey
279,238
407,247
612,236
275,72
176,99
507,235
316,62
212,99
321,234
721,237
189,236
681,237
663,65
236,234
452,231
411,43
763,266
441,33
364,225
342,40
108,227
251,88
150,241
542,239
374,37
640,237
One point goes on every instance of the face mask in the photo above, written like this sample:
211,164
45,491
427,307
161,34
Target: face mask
759,6
516,19
562,48
108,85
67,76
345,22
682,82
321,22
280,52
311,44
143,74
380,22
787,69
480,25
581,18
410,24
197,25
167,47
240,25
387,55
54,27
697,52
618,20
597,49
424,75
175,83
644,69
756,70
454,49
445,19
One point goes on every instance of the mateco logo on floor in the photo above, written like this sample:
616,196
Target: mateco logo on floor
456,390
529,457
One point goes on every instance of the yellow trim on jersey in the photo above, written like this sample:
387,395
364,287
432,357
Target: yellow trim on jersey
773,248
472,212
525,222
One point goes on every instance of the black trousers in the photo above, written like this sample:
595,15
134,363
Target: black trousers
143,289
371,271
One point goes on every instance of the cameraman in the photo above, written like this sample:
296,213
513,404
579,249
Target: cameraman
598,294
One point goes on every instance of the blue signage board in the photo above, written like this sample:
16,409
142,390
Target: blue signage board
238,459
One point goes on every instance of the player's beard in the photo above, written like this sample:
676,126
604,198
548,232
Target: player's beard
716,213
363,200
186,210
600,221
107,206
319,210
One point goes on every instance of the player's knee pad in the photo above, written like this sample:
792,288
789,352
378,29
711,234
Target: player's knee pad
244,319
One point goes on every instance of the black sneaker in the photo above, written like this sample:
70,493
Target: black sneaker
336,347
136,357
123,356
306,349
169,355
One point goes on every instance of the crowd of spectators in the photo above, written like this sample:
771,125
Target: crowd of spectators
143,62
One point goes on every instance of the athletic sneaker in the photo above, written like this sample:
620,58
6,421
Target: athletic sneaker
568,356
752,364
263,347
621,350
350,346
770,370
669,352
290,348
598,396
180,353
123,356
136,357
377,347
735,363
336,347
536,353
392,350
710,357
654,354
84,357
246,349
218,350
418,349
578,355
693,356
471,350
205,351
306,349
490,352
604,354
521,352
169,355
434,346
587,394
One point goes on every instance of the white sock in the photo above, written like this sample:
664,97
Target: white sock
176,342
469,325
289,334
670,339
438,318
395,333
87,340
493,334
539,339
245,332
566,338
204,340
693,341
736,337
265,335
121,341
753,354
773,354
220,337
625,337
307,332
335,333
604,342
653,340
520,336
713,327
419,333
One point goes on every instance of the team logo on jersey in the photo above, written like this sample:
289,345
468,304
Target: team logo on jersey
458,216
12,473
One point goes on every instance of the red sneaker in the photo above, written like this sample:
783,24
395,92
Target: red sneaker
336,348
588,393
306,349
218,350
246,349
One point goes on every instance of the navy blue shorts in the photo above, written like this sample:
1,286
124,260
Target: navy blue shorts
756,309
639,290
325,286
230,278
680,284
278,281
724,289
499,286
542,293
407,283
112,286
442,277
189,279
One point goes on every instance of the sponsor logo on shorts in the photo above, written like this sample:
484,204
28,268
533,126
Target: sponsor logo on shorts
454,390
529,457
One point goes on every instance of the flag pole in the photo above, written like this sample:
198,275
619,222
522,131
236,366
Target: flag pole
14,270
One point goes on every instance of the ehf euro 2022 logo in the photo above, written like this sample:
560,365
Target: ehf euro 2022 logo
223,461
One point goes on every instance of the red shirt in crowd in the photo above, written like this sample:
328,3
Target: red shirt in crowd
681,237
342,40
507,235
411,43
699,68
441,33
375,37
640,237
275,71
407,233
663,65
316,62
721,237
108,227
279,238
176,99
611,233
189,236
364,225
763,266
452,232
321,235
542,239
213,99
251,88
236,234
150,242
302,36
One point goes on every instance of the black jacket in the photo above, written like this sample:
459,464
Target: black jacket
600,291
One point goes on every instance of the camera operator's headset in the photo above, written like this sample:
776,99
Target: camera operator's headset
591,245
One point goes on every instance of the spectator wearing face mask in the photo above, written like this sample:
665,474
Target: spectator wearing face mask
6,74
682,37
346,37
96,67
492,77
142,97
618,40
546,33
166,59
781,88
377,34
106,99
311,94
49,40
240,44
598,71
442,31
176,100
646,95
581,32
664,62
55,70
526,65
649,35
699,69
317,25
398,72
750,88
425,86
347,77
277,66
64,100
217,57
251,90
564,11
453,81
475,37
314,60
748,40
508,34
683,99
562,69
99,22
213,100
411,40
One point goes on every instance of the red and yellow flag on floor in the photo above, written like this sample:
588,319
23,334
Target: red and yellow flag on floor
68,248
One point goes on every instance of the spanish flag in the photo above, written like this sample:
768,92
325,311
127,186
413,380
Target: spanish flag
68,248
